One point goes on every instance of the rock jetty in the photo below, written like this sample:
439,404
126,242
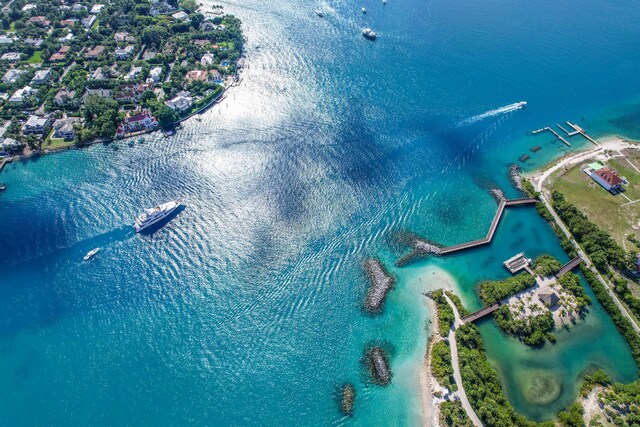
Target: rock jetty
380,283
378,365
347,399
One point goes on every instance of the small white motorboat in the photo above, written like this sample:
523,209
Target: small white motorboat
319,13
364,10
91,254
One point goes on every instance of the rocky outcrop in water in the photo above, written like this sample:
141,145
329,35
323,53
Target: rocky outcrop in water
515,178
380,283
378,365
347,399
497,194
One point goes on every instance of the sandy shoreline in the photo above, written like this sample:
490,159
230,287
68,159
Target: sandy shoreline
430,278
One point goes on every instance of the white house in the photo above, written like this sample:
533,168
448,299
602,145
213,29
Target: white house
21,95
63,128
156,74
5,40
124,53
88,21
29,6
180,16
141,121
96,8
41,76
605,176
12,76
11,56
208,59
133,73
181,102
36,125
10,144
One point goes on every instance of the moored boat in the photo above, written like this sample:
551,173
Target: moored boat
364,10
154,215
91,254
2,186
319,13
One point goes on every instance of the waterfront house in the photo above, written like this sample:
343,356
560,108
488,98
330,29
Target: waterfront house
36,125
182,102
10,144
64,128
89,21
41,76
63,96
21,95
216,77
10,57
124,53
606,177
12,76
156,74
60,55
207,26
142,121
94,53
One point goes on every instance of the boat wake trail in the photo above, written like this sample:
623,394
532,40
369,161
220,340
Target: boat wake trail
491,113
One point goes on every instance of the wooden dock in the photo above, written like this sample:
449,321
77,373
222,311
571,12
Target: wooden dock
548,129
492,229
484,311
575,132
569,266
582,132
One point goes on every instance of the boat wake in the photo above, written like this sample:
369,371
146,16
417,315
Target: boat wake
491,113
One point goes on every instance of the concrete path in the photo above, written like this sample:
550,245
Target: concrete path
453,346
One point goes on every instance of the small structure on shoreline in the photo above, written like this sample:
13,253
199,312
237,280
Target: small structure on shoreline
517,263
380,283
377,364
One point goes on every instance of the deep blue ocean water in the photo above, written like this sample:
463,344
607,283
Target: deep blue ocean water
246,308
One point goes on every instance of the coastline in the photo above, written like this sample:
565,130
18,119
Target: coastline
427,279
236,81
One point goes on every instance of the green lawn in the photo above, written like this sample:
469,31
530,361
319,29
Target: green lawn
36,58
12,27
612,213
56,143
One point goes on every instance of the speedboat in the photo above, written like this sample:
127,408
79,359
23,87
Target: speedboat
153,215
369,33
91,253
521,104
2,186
364,10
384,1
319,13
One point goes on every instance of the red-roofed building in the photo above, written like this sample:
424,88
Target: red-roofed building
142,121
60,55
606,177
199,75
41,21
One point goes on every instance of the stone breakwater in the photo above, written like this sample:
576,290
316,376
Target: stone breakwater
347,399
515,177
378,366
380,283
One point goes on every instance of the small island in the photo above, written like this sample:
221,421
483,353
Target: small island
83,72
536,301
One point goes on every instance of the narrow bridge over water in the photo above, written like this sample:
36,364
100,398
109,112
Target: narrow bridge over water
484,311
569,266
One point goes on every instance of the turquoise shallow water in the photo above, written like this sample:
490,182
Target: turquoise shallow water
245,309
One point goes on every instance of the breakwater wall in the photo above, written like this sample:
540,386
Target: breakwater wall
380,283
377,363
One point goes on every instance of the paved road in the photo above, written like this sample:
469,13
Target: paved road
453,346
589,263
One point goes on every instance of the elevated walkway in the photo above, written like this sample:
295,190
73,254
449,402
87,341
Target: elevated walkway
484,311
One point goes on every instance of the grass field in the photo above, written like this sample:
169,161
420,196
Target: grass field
615,214
56,143
36,58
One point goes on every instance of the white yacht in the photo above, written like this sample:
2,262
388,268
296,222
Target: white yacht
364,10
369,33
319,13
90,254
153,215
